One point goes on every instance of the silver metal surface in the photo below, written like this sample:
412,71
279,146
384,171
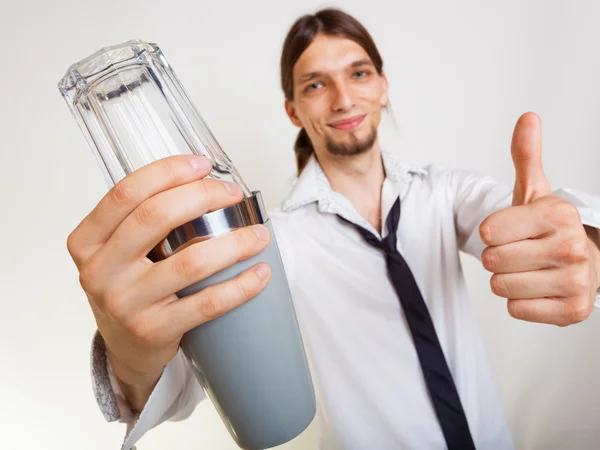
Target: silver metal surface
250,211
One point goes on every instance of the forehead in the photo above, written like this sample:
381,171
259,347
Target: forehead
328,54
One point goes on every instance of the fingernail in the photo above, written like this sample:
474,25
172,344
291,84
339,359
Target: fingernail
232,188
261,231
263,271
199,163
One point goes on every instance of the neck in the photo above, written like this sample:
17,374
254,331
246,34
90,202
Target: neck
358,178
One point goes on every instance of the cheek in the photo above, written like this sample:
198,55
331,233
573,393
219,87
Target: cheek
370,93
372,99
313,112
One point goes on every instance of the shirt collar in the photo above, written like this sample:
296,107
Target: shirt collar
313,186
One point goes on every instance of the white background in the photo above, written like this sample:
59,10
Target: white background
460,72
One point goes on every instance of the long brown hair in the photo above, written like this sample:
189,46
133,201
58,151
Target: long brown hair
331,22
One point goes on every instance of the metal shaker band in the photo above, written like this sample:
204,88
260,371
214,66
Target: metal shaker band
250,211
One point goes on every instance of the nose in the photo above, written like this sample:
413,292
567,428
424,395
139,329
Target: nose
342,97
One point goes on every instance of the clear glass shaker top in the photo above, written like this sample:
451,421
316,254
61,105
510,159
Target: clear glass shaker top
133,110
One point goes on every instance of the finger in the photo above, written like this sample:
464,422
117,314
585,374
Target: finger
526,150
515,224
154,218
214,301
198,262
528,255
553,311
97,227
560,283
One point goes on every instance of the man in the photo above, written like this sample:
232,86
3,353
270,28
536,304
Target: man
382,304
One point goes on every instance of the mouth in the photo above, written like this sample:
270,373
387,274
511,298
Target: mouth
348,124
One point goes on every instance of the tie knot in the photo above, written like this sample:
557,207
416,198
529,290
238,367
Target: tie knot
388,243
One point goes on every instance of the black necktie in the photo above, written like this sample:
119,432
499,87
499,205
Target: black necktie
435,369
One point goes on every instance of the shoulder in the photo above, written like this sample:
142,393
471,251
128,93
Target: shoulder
288,225
453,186
440,176
286,221
431,177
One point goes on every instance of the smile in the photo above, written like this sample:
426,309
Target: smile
348,124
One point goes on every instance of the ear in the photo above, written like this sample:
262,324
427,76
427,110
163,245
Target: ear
384,95
291,112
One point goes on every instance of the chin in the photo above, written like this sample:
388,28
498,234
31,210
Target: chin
355,142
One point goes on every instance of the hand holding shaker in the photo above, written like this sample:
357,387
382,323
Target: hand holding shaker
251,361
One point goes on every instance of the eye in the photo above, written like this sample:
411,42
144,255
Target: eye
361,73
313,86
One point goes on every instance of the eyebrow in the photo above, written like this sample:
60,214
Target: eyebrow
362,62
311,75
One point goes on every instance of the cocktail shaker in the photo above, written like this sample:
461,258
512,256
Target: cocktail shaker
251,362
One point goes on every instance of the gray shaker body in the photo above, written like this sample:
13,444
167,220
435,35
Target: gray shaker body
251,361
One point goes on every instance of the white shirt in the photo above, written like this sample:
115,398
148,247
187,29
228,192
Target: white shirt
370,389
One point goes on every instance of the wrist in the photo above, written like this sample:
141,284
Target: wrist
597,265
132,386
594,237
131,377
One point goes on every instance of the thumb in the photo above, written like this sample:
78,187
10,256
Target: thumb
526,149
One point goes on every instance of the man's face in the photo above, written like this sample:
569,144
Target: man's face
338,96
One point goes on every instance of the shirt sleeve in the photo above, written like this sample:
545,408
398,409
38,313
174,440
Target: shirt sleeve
174,397
477,196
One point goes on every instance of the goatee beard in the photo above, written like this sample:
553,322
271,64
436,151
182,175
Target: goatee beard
352,148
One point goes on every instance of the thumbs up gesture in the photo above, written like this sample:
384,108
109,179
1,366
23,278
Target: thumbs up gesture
538,251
